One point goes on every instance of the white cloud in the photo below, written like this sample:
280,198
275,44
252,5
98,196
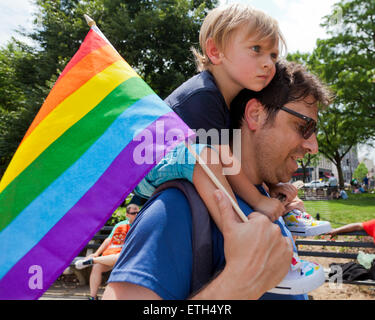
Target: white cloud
13,14
300,22
299,19
281,4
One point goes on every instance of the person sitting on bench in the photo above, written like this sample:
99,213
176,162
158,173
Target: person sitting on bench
107,254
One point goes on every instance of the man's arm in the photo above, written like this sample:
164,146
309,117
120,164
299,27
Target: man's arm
257,258
128,291
266,262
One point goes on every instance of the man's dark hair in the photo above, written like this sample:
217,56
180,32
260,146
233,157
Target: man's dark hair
291,83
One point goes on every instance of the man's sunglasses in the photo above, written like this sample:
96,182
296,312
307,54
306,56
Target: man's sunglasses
133,212
309,128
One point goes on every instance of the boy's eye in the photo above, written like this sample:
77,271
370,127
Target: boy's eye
274,56
255,48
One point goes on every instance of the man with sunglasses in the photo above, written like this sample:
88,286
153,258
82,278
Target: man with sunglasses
107,254
287,109
248,258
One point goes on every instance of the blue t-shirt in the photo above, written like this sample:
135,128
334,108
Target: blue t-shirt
200,104
158,251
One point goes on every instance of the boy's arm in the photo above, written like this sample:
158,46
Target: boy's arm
238,183
241,185
285,189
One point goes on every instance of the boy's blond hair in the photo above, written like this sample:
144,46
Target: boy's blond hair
220,23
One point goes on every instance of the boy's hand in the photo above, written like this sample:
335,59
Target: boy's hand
270,207
284,189
297,203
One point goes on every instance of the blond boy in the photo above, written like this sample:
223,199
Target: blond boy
240,46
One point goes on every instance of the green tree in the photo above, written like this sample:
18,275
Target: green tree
338,134
154,37
20,97
345,61
348,56
360,172
309,160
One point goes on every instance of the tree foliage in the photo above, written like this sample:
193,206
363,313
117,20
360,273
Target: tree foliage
360,172
309,160
346,63
348,56
154,37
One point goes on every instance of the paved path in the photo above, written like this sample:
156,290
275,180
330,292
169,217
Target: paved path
68,291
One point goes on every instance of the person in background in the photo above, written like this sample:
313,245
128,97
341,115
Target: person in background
107,254
332,185
368,226
343,194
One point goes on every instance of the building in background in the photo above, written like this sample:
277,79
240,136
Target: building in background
325,168
348,164
369,165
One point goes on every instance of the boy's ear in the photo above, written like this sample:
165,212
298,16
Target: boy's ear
254,114
213,51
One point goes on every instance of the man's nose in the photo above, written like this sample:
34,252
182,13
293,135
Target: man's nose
311,144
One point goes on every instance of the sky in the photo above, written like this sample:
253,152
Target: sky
299,21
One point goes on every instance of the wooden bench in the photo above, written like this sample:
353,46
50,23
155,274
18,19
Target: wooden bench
314,194
334,254
84,274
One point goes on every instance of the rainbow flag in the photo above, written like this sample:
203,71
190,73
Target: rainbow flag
99,132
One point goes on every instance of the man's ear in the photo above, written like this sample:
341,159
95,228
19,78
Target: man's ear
213,52
254,114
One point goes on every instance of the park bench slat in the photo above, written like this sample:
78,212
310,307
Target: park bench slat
332,254
351,244
328,254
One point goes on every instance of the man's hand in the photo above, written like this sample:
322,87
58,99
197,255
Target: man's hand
257,256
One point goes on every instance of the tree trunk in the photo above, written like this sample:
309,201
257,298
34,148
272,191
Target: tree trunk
304,173
339,171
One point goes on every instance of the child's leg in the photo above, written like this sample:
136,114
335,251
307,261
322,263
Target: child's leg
206,187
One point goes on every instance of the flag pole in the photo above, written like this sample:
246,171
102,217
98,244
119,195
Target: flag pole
89,21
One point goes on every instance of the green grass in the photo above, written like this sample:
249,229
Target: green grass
358,208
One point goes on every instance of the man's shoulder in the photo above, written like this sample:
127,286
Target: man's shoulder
160,234
125,221
121,223
161,207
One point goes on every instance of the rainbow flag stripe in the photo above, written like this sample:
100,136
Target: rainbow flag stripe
77,163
